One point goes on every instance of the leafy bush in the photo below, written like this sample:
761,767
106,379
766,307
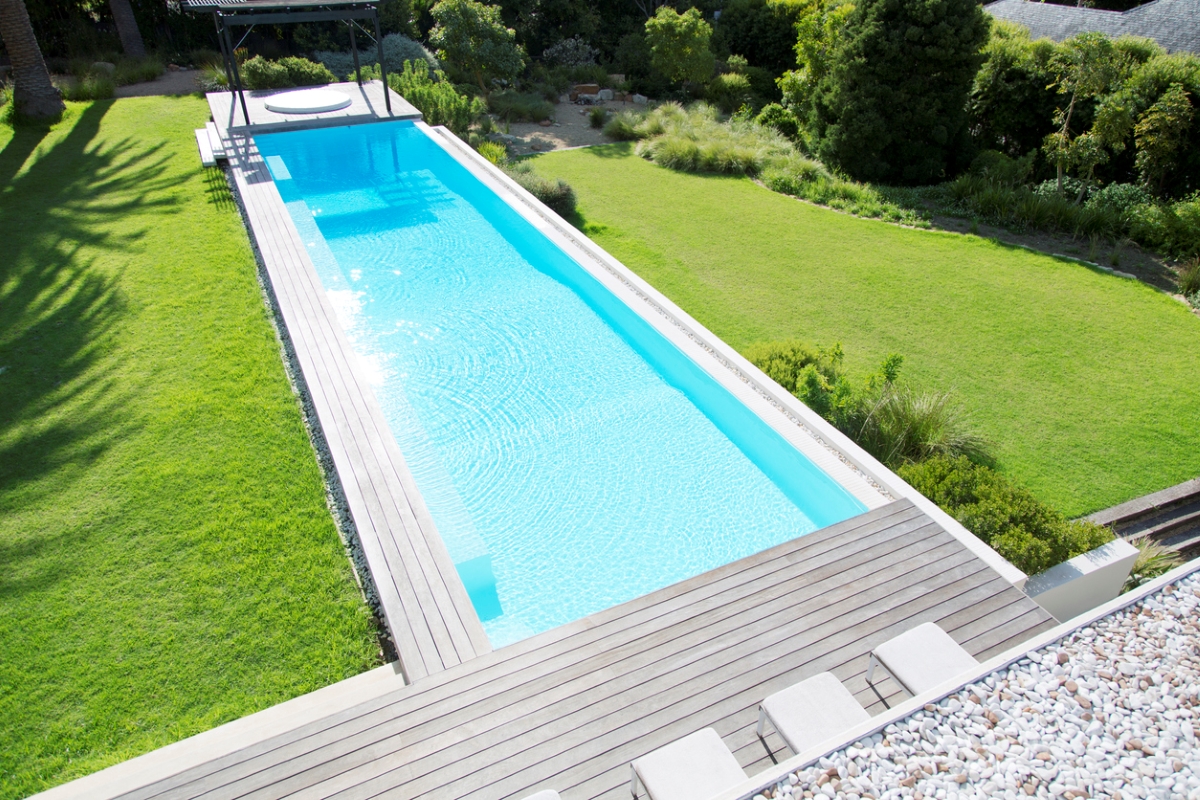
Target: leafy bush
781,119
1172,228
894,423
514,106
730,91
598,116
434,96
397,49
1120,198
557,194
994,166
261,73
1029,534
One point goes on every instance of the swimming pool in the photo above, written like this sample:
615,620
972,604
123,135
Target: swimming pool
571,456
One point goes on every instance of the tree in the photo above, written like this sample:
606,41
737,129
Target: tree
33,94
1086,66
471,39
127,28
1162,133
679,45
892,106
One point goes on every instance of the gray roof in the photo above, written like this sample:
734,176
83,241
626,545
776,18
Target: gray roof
1174,24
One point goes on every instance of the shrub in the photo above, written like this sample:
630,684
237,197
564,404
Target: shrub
695,141
1029,534
730,91
261,73
513,106
994,166
781,119
397,49
1189,278
573,52
894,423
898,425
90,87
434,96
1172,228
1119,198
137,70
494,152
1153,560
622,126
597,117
557,194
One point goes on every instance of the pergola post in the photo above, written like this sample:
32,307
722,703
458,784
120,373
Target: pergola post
354,50
387,93
237,76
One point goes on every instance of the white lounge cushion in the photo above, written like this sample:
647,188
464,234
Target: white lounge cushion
696,766
307,101
813,711
923,658
545,794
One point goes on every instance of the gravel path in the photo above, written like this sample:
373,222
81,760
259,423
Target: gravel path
181,81
1110,711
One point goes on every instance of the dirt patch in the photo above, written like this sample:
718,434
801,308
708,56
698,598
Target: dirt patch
171,82
569,127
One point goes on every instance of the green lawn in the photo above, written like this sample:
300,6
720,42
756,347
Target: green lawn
167,562
1088,384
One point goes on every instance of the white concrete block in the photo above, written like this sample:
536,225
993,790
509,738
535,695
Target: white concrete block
1084,582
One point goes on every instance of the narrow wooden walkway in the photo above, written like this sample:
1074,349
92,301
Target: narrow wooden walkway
569,708
426,607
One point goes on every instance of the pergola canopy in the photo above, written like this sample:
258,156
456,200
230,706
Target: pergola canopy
248,13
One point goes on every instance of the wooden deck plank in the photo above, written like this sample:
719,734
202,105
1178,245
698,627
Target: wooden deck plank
518,664
622,683
425,589
449,713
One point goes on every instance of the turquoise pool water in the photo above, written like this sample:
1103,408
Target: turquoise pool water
571,456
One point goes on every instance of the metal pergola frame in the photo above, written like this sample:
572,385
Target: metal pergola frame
228,14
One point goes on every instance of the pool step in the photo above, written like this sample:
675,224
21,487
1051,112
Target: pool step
218,144
207,157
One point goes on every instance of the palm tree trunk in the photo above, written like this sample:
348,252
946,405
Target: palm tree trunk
33,94
127,29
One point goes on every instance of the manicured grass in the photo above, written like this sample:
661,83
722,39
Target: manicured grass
168,560
1086,383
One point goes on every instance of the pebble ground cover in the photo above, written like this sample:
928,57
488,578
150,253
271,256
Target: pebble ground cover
168,561
1110,711
1085,382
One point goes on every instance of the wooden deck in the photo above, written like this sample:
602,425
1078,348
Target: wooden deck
426,607
569,708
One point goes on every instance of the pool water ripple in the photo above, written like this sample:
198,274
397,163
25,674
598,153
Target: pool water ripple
555,440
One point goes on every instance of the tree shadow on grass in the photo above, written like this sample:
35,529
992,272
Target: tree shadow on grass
60,406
